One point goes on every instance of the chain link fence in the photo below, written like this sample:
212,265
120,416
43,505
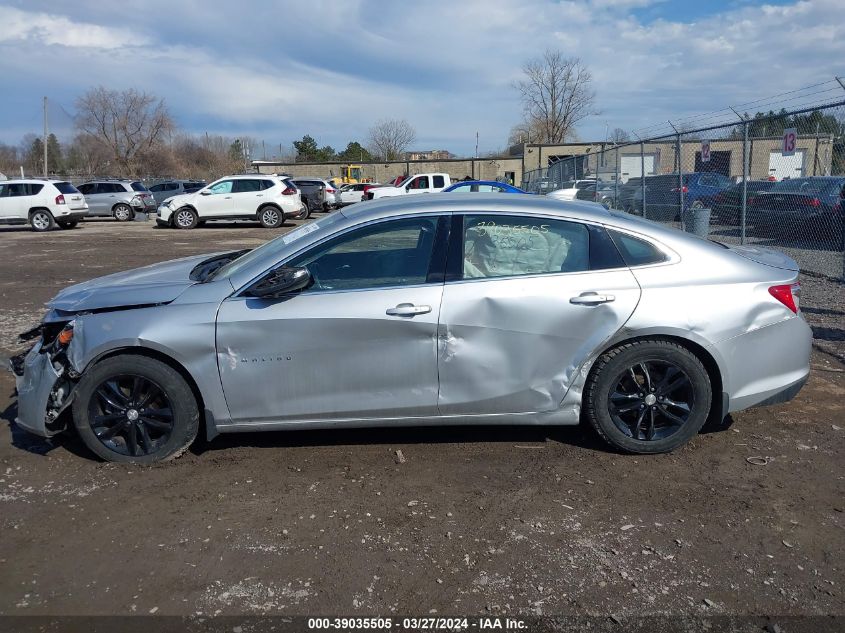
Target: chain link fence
777,180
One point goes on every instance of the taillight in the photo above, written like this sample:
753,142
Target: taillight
289,191
787,294
60,199
684,189
752,199
815,202
329,190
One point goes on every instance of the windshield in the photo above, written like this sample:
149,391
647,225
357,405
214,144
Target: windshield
272,248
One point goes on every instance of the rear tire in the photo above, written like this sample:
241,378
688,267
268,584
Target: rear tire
185,218
155,422
271,217
649,396
123,213
41,220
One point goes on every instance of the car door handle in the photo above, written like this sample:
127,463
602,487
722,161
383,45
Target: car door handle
591,299
407,309
227,197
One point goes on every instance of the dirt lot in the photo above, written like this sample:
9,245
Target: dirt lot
475,521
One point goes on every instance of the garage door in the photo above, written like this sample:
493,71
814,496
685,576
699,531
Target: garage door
781,166
631,166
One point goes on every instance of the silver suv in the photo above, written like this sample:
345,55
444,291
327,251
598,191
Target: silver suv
120,199
163,190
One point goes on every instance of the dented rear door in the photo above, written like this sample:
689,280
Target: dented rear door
512,338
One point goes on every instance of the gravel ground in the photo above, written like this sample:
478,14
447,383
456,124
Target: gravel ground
505,520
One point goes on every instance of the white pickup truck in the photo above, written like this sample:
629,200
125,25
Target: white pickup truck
418,183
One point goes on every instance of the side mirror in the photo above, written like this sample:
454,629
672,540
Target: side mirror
408,187
280,282
205,193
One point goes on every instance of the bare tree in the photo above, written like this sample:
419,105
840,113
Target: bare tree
390,137
556,94
87,156
128,122
618,136
521,133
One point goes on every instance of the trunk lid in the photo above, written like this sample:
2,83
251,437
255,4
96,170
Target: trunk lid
765,256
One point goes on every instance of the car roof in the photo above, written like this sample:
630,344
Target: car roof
27,181
480,182
478,203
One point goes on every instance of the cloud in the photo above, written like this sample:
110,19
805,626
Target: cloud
332,68
50,29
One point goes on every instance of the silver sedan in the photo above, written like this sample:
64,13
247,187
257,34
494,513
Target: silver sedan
424,310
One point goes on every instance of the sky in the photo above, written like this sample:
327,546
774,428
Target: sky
276,70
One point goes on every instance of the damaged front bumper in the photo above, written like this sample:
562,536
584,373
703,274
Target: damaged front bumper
44,389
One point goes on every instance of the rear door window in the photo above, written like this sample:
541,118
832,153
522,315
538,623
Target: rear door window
246,186
18,190
506,246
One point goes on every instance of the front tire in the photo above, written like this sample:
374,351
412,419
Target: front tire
185,218
135,409
123,213
270,217
649,396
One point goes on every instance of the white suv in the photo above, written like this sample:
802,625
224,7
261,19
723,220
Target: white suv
42,203
268,199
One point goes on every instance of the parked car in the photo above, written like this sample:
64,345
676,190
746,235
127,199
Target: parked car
726,206
418,183
631,196
163,190
332,199
482,186
119,199
41,203
313,195
268,199
541,311
602,192
798,204
663,193
569,190
350,194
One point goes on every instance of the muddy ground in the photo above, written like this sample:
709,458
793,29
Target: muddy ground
475,521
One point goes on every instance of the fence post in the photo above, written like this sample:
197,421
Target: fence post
642,178
746,174
616,182
681,195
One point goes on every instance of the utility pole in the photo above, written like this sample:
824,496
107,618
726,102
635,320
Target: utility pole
476,144
45,137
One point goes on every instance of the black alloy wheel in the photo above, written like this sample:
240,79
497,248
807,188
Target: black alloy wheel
131,415
651,400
